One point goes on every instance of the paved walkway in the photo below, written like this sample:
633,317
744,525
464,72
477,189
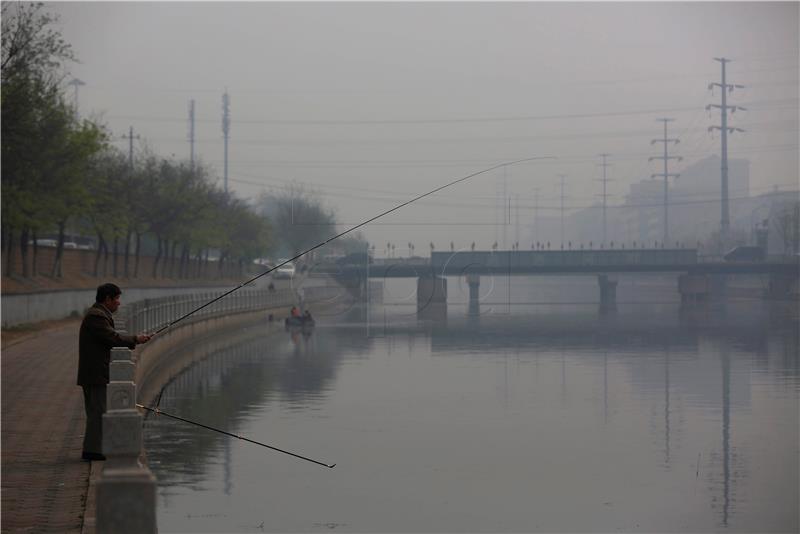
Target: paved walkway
44,481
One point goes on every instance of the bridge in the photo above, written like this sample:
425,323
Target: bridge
697,279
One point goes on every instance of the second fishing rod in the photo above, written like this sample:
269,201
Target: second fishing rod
341,234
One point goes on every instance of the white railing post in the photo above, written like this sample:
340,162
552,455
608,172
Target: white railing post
126,491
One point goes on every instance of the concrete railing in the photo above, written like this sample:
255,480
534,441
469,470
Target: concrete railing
126,491
150,315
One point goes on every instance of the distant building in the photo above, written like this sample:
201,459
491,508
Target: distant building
643,213
767,212
695,198
694,212
704,179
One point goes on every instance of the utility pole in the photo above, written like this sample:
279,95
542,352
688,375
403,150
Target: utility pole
506,207
605,195
226,127
666,174
562,177
75,83
499,198
726,88
191,134
130,137
536,214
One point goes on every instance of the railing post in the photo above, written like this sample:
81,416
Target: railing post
126,491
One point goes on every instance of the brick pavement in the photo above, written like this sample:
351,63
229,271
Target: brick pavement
44,481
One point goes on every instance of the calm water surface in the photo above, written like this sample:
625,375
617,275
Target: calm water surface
529,417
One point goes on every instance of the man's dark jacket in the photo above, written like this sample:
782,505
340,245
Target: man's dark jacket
97,337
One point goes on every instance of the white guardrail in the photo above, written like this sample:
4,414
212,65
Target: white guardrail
149,315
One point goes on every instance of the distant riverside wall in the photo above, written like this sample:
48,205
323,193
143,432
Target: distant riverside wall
78,272
41,298
27,308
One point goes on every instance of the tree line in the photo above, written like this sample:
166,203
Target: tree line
60,174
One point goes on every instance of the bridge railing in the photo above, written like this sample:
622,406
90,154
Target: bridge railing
554,258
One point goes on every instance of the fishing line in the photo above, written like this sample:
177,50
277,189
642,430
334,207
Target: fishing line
158,399
337,236
160,412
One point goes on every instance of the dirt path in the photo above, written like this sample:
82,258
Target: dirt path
44,481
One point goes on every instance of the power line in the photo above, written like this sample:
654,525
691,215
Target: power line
791,58
572,158
491,202
394,194
790,126
518,118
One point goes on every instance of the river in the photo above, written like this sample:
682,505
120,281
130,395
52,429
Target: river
538,415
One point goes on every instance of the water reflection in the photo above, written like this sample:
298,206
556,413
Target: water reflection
230,386
649,419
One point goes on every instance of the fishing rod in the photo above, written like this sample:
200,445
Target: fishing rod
157,411
337,236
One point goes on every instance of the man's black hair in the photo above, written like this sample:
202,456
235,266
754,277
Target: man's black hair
107,290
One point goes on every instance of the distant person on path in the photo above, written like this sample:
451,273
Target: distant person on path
97,338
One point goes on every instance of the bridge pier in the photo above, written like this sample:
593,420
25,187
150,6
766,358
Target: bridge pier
782,286
431,297
718,284
474,283
608,293
694,288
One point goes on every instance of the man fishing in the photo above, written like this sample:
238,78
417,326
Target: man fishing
97,338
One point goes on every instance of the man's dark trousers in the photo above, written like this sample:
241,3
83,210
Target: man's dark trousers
94,401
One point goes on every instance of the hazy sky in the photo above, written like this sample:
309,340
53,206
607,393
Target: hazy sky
374,103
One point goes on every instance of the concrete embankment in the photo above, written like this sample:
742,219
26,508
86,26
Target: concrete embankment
165,356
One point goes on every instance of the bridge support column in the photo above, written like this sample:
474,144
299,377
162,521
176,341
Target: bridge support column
782,286
474,283
431,297
694,288
126,491
608,293
718,285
